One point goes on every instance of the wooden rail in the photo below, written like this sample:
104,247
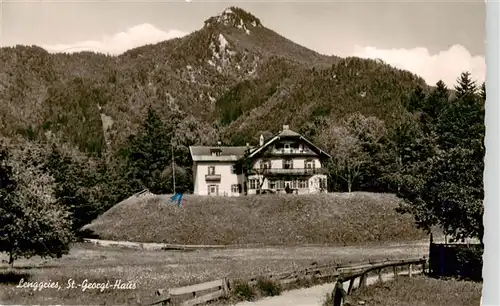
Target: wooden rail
170,296
214,290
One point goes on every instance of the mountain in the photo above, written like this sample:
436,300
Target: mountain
233,75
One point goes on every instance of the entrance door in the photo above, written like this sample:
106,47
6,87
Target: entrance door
213,190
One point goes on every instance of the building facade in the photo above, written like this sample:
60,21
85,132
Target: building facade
286,163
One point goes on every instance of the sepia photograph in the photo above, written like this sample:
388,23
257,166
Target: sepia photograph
257,153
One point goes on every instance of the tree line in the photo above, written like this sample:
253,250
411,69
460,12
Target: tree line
431,156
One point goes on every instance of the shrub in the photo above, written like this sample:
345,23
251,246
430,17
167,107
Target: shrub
244,291
470,262
268,287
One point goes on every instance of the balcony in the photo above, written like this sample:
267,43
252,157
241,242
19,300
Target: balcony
293,171
290,151
212,177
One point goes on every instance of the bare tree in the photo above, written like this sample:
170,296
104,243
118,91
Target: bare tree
346,150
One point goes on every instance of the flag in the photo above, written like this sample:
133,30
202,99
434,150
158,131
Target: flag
178,197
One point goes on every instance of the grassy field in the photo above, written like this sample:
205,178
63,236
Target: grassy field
152,270
419,291
334,219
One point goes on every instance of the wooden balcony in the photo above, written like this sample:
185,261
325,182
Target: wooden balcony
212,177
293,171
290,152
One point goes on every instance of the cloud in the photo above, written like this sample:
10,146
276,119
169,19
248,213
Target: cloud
136,36
445,65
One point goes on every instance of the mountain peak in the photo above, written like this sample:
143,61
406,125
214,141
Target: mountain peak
235,17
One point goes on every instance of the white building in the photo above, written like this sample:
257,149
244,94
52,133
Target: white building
287,161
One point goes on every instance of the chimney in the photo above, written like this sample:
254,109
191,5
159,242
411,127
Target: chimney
261,140
285,127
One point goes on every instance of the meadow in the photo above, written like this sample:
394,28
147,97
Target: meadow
418,291
153,270
266,234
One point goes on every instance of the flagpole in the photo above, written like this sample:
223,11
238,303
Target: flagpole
173,164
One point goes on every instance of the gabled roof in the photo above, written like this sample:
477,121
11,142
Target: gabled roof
285,134
201,153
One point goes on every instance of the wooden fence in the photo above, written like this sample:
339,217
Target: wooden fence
214,290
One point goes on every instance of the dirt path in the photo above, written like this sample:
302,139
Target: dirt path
313,296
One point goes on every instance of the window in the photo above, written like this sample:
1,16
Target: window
233,169
280,184
215,152
294,184
265,164
322,183
213,189
234,188
211,170
252,184
272,184
303,184
287,146
309,164
288,164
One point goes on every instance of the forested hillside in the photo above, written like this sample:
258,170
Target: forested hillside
105,126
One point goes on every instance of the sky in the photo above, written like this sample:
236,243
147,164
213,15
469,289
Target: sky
434,39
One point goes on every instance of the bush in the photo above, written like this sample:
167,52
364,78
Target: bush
31,222
268,287
244,291
470,262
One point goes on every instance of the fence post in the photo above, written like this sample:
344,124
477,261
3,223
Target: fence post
410,272
225,287
362,281
380,276
338,293
431,252
351,286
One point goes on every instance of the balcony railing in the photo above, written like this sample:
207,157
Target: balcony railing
290,152
212,177
293,171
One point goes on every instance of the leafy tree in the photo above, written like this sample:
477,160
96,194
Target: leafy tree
356,146
76,179
372,134
348,156
446,187
31,221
